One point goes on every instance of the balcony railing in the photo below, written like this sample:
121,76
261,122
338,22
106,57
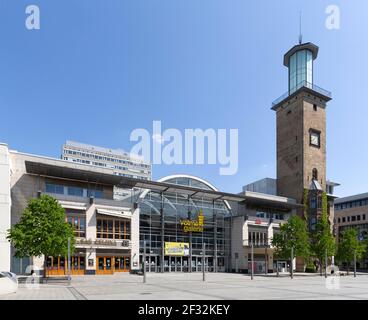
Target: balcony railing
303,84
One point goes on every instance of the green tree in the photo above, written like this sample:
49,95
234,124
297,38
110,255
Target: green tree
293,234
42,230
322,240
348,245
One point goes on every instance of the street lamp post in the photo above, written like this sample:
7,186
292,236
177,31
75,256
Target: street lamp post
291,263
69,262
204,262
251,261
144,261
326,263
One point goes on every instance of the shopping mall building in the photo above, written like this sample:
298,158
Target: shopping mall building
172,218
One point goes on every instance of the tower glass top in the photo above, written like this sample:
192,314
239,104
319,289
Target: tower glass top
300,70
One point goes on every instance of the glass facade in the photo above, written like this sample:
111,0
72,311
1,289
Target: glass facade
160,221
300,70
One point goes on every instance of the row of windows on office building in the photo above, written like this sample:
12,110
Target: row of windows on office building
272,215
351,218
100,164
104,158
130,175
351,204
73,191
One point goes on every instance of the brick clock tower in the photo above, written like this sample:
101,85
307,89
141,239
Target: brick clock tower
301,133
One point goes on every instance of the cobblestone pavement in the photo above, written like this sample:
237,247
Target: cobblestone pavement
190,286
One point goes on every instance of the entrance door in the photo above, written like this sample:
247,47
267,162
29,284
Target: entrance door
220,264
179,264
194,264
199,264
185,266
104,265
78,265
153,264
122,264
56,266
166,264
172,264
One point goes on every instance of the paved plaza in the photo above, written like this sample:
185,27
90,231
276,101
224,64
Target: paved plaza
190,286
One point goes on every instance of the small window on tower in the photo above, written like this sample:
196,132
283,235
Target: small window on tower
315,107
314,174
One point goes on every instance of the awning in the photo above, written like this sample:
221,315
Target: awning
115,213
71,205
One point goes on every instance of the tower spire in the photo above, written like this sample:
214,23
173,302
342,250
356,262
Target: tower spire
300,28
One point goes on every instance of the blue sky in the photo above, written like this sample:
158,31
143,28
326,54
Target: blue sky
98,69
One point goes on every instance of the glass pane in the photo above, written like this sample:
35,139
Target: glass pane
100,263
104,226
108,263
75,263
62,263
110,229
75,191
117,263
55,263
82,263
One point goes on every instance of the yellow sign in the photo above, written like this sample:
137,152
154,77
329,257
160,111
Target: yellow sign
176,249
193,226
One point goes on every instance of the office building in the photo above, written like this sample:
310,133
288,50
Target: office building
118,161
352,212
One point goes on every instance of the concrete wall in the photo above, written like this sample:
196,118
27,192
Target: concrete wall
135,239
5,205
239,261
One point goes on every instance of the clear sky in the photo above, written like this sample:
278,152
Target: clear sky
97,69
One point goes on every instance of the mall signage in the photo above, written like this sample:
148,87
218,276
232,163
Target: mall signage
100,242
193,225
179,249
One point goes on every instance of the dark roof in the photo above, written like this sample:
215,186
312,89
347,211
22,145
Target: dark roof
94,176
85,174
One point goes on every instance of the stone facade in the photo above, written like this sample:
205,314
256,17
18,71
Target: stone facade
296,157
5,204
24,186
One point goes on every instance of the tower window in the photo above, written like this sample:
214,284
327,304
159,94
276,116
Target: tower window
314,174
315,107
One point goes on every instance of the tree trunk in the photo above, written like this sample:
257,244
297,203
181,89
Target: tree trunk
45,266
320,268
348,268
